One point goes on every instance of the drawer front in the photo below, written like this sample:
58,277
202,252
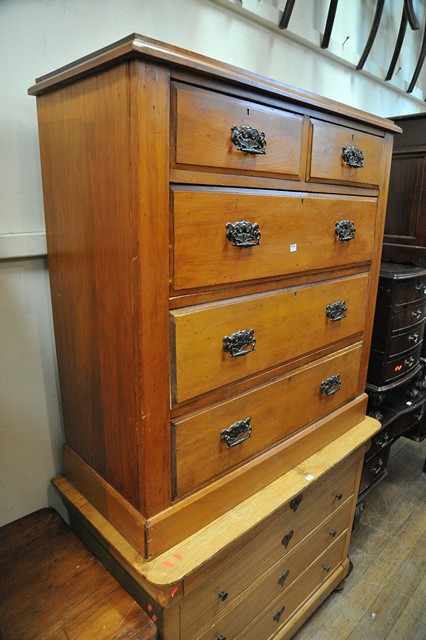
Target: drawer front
396,293
375,469
286,234
330,163
213,441
280,610
277,581
409,316
400,343
325,506
221,132
214,344
383,370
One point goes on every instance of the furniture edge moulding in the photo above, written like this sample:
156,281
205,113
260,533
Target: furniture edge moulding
162,574
136,45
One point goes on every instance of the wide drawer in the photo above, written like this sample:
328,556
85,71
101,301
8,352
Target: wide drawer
216,343
409,316
213,441
400,343
330,496
340,154
219,131
279,578
277,614
401,292
223,236
382,370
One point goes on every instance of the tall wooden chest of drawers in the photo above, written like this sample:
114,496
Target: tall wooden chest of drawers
214,242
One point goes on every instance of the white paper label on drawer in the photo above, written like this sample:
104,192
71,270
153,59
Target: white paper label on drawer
293,248
309,477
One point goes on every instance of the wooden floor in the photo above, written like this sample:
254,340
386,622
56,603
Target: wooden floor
385,596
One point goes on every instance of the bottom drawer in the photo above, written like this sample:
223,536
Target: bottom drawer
281,609
280,576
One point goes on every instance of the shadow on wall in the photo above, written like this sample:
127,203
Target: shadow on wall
31,433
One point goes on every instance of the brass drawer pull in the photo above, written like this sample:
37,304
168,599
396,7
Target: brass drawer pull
243,233
295,503
416,315
223,595
248,139
240,343
331,385
333,533
237,433
326,568
414,338
278,614
409,362
352,156
336,310
287,538
283,578
345,230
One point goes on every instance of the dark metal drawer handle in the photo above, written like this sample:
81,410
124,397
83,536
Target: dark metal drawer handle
382,440
220,637
331,385
240,343
338,496
352,156
296,502
336,310
223,595
417,314
414,338
409,362
326,568
420,286
277,616
248,139
283,578
345,230
243,233
377,468
237,433
333,533
287,538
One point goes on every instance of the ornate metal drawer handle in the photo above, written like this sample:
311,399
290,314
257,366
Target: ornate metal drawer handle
283,578
278,614
223,595
220,637
336,310
331,385
352,156
287,538
295,503
420,286
345,230
333,533
326,568
417,314
409,362
237,433
248,139
243,233
240,343
377,468
414,338
338,496
383,440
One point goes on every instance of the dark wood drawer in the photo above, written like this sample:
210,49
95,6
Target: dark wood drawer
402,292
216,343
408,316
382,369
287,233
400,343
212,442
218,131
328,164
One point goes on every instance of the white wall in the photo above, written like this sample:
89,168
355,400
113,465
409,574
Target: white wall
35,37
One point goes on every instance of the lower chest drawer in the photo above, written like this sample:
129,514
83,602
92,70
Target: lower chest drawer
383,370
217,343
212,442
208,595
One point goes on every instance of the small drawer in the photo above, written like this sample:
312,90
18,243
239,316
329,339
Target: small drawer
400,292
382,370
225,236
340,154
217,343
277,614
403,342
325,507
217,131
408,316
375,470
282,575
212,442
